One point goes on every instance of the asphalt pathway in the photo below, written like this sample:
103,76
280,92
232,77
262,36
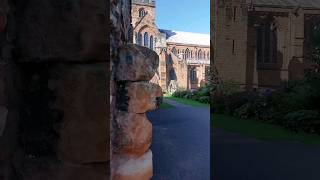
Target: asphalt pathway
181,142
181,149
237,157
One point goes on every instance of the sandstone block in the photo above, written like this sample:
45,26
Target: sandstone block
82,97
127,167
136,63
143,97
134,134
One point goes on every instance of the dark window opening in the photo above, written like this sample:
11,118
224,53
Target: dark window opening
193,75
266,44
234,13
233,47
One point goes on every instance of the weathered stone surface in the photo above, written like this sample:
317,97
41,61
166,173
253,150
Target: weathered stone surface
82,97
136,63
134,134
4,8
60,30
143,97
3,119
126,167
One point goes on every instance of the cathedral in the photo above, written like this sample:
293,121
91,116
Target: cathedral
263,44
184,56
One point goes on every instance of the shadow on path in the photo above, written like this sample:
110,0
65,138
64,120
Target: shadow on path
181,142
242,158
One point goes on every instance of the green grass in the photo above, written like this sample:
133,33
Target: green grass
260,130
165,106
186,101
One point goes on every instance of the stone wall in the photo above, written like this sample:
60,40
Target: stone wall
53,90
132,96
230,55
235,43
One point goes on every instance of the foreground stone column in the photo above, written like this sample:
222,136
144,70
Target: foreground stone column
131,130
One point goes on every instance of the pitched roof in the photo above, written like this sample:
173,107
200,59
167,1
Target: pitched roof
186,37
315,4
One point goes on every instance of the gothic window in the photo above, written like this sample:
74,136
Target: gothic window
140,39
191,54
266,43
233,47
234,13
174,50
151,43
229,13
142,12
200,54
193,74
187,54
146,39
183,55
208,55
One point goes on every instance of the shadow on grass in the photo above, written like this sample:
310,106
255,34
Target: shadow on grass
260,130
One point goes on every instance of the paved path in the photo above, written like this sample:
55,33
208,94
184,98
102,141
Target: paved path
237,157
181,143
181,151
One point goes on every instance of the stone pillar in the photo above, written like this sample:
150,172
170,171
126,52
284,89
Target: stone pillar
132,96
131,130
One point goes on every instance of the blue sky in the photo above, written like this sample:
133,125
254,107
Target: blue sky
184,15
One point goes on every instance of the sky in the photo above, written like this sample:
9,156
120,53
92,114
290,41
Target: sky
184,15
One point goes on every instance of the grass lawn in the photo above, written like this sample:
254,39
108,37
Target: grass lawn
165,106
186,101
260,130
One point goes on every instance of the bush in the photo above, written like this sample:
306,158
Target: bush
204,99
303,120
230,87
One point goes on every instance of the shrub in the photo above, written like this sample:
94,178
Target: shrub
303,120
230,87
204,99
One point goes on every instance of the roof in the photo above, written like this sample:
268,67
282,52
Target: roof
145,2
314,4
186,37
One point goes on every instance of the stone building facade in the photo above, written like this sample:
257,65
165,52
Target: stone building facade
260,43
184,56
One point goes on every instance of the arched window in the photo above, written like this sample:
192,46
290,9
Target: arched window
191,54
140,39
146,39
151,42
193,74
183,55
199,54
142,12
174,50
187,54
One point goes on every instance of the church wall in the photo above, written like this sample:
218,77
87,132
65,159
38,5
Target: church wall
230,43
235,44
